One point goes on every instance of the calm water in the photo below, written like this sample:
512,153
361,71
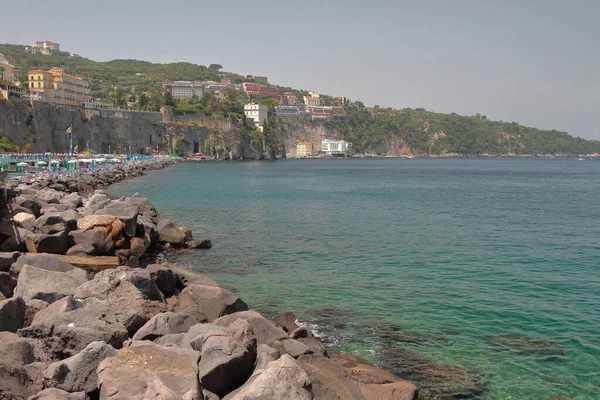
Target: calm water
450,252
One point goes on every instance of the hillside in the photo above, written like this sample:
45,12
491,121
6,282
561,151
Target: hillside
103,76
383,131
424,132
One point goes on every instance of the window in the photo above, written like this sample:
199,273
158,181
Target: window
38,84
31,77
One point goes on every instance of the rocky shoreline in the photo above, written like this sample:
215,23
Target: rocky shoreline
86,313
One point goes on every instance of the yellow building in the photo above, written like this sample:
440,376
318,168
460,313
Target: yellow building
56,86
304,149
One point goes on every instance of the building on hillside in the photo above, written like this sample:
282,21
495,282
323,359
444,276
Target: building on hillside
335,147
337,110
185,89
56,86
290,99
292,112
8,72
46,44
259,79
251,88
213,87
93,108
311,101
304,149
45,47
256,112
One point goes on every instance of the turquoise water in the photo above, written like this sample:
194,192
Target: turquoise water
450,252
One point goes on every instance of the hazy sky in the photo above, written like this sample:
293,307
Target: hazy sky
536,62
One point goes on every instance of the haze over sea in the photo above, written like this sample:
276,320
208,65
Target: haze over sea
451,252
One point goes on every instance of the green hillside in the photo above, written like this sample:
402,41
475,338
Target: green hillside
103,76
426,132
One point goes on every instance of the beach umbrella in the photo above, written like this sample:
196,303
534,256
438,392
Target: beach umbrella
22,164
55,162
42,163
72,161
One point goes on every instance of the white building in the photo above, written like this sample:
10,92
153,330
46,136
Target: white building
335,146
287,112
256,112
185,89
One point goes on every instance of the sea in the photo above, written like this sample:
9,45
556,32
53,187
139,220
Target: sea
473,277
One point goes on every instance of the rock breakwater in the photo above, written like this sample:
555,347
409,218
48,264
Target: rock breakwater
85,313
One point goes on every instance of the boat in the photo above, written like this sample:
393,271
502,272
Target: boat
581,159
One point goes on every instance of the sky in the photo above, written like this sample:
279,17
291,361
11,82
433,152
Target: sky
536,62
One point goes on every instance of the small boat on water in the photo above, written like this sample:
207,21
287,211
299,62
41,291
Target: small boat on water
581,159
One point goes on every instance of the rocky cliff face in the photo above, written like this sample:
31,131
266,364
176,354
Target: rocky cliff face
40,127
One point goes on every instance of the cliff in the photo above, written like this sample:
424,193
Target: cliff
40,127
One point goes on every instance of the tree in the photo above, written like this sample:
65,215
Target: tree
215,67
178,148
168,99
155,101
143,101
23,82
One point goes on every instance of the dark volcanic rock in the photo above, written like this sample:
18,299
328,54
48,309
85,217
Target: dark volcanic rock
67,333
164,278
37,283
149,371
266,332
43,261
12,314
131,294
164,324
215,302
8,259
520,344
20,376
98,239
56,243
168,232
281,379
126,212
444,379
227,360
7,284
78,373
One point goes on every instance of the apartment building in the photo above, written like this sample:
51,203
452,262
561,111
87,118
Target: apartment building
56,86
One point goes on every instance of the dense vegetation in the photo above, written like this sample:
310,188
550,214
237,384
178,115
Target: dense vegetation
105,76
423,132
427,132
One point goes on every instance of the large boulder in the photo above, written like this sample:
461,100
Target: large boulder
227,359
126,212
20,376
149,228
185,340
78,373
186,277
109,224
57,394
28,204
12,238
281,379
67,333
12,314
168,232
98,239
362,371
214,301
37,283
164,277
329,379
149,371
56,243
95,202
32,308
164,324
131,294
50,223
8,259
7,284
266,332
58,307
292,347
23,220
43,261
402,390
73,199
